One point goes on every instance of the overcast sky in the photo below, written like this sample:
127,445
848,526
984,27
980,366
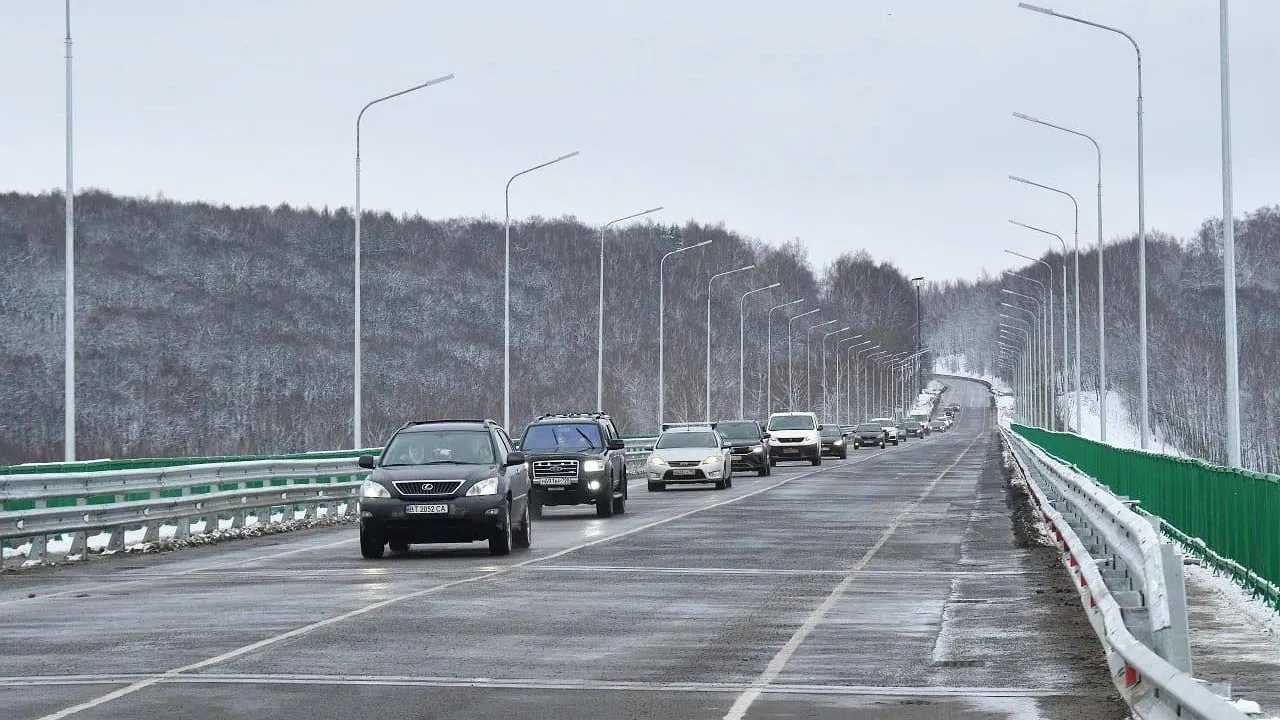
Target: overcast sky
878,124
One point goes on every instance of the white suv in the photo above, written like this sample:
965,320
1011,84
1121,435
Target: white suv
795,436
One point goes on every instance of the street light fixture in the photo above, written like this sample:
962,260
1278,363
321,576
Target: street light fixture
1102,335
918,281
768,350
1231,330
808,361
1053,367
506,292
1033,348
742,348
709,284
823,379
600,311
356,433
859,371
662,305
844,360
791,377
1144,424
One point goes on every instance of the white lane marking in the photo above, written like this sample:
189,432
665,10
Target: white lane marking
770,571
128,580
303,630
541,684
743,703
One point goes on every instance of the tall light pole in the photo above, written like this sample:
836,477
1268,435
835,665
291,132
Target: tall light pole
600,311
357,435
662,306
711,282
844,360
1066,359
742,349
1025,335
506,290
1102,333
1144,428
768,350
791,374
823,379
867,389
859,371
1044,307
808,361
69,282
918,281
1033,348
1053,366
1230,331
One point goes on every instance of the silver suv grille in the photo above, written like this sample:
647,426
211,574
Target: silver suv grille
555,468
427,487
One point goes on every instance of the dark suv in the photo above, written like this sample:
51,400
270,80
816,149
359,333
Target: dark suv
445,481
750,445
833,441
576,459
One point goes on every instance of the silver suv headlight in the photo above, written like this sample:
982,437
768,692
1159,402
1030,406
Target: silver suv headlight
487,486
371,489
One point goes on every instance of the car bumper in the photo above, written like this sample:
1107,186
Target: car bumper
833,449
750,461
864,442
579,492
467,519
796,451
675,476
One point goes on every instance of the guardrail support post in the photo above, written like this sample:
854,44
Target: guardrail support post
184,529
79,544
152,533
38,545
1174,643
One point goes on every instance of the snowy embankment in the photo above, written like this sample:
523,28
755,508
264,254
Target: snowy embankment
1121,431
59,546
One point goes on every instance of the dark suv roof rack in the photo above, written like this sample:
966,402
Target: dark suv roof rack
602,415
448,421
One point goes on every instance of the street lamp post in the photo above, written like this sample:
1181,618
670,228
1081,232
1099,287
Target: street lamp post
823,379
600,310
918,281
791,374
844,360
1066,358
808,361
1053,366
742,349
1230,331
709,284
506,291
356,433
859,370
662,305
69,282
1033,334
1028,353
1045,309
1102,334
1144,424
768,350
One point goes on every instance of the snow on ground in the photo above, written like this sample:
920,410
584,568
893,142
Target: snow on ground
1121,431
61,545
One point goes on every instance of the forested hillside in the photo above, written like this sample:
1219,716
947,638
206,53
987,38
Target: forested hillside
206,329
1185,330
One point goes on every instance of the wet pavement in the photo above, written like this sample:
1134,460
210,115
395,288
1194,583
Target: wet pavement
894,584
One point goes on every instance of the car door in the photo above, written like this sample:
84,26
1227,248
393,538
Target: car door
617,459
517,475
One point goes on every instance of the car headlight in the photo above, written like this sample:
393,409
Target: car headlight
813,438
371,489
712,460
657,461
487,486
838,442
757,450
592,465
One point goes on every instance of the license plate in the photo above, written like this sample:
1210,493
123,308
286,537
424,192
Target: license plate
555,481
684,473
790,451
440,509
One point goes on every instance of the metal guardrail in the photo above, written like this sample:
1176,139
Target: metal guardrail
88,502
1130,585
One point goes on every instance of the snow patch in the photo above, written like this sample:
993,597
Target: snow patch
1121,430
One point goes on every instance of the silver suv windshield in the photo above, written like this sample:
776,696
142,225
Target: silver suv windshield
686,440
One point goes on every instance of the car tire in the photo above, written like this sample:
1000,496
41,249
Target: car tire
620,502
535,506
728,482
817,460
844,455
604,504
657,487
523,537
720,484
399,546
500,540
773,462
371,546
763,471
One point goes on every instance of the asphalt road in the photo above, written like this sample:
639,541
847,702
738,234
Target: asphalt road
895,584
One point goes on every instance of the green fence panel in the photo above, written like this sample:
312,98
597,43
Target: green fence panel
1236,513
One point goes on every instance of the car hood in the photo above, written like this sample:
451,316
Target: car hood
549,455
679,454
465,473
780,434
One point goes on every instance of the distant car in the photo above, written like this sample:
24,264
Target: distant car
445,481
915,429
576,459
795,436
751,449
689,454
938,425
891,427
870,435
833,441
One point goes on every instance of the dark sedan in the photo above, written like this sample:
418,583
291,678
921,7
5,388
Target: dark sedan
870,435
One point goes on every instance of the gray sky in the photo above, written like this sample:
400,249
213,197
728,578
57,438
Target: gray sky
871,123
